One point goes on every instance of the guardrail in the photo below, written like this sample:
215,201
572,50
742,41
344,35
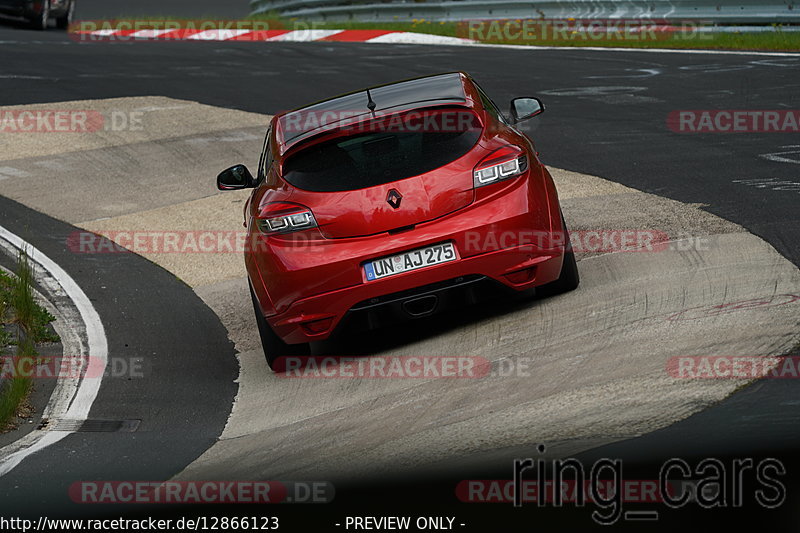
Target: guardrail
713,11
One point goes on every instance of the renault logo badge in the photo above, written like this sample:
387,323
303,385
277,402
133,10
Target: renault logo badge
393,198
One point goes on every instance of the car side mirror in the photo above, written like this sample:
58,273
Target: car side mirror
236,177
525,108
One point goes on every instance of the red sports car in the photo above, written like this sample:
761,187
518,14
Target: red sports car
395,202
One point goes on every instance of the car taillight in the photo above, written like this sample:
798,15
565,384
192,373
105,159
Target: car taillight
506,162
284,217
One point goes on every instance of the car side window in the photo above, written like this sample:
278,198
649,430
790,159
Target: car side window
490,106
267,158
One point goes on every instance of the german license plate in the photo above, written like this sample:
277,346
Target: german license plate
411,260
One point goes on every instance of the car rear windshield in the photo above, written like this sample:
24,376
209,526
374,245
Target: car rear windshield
386,149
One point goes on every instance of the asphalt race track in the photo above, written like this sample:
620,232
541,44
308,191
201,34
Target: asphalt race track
599,389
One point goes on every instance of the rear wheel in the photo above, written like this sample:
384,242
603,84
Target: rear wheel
39,20
65,20
569,279
274,347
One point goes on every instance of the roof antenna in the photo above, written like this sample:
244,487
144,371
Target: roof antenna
371,103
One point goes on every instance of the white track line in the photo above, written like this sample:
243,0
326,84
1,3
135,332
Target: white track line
96,351
301,36
104,33
150,34
217,35
417,38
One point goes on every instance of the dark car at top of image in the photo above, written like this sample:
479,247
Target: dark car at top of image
396,202
39,12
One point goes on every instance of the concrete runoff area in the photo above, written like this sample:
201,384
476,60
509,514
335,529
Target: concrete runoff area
595,359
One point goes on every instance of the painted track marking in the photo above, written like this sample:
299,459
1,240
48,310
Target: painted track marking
96,349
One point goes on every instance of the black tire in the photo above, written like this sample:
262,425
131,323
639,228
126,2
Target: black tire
65,20
569,279
274,347
39,20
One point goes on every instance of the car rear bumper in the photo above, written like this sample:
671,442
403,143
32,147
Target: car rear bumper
315,318
507,236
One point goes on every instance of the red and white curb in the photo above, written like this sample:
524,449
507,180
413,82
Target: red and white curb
364,36
360,36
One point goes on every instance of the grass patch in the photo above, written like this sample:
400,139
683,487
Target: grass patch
22,300
777,40
14,396
16,389
29,315
23,323
6,285
449,29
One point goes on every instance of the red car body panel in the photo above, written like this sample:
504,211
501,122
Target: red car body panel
306,282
